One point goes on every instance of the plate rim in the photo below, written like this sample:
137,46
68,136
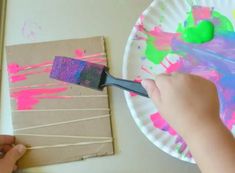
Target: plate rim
174,154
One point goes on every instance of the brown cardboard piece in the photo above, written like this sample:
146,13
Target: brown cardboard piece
58,122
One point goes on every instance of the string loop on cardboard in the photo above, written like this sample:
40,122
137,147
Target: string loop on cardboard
66,145
64,136
62,123
54,110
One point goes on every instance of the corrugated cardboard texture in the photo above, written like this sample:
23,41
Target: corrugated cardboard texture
66,125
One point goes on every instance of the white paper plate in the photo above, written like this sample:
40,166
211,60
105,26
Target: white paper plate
168,14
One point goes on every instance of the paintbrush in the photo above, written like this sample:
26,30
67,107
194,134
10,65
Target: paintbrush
90,75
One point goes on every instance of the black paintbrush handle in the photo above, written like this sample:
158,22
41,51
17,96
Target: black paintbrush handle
125,84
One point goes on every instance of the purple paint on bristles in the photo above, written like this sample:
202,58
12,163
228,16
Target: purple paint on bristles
77,72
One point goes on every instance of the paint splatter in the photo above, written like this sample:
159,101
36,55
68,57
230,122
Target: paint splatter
138,79
182,147
158,44
161,123
201,13
15,75
172,66
79,53
214,60
27,97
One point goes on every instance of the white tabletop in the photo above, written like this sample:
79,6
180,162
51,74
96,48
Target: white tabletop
65,19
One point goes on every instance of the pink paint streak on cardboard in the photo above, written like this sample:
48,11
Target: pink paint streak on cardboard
27,99
94,58
23,76
14,69
79,53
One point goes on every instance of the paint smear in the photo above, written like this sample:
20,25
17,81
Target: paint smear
201,33
160,123
138,79
27,99
213,60
158,45
23,76
172,66
14,68
201,13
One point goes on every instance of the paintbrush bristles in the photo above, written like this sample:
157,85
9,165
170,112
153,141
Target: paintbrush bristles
77,72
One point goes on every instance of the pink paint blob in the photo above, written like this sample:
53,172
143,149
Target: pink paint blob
23,76
79,53
208,74
138,79
182,145
17,78
14,68
140,26
189,155
161,123
162,39
172,67
231,122
27,99
201,13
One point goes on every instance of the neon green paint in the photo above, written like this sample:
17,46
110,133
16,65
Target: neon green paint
192,33
189,22
224,24
202,33
152,53
188,29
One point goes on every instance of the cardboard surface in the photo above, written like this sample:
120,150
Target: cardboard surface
58,122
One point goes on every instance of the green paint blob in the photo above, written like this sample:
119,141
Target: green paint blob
202,33
187,29
189,22
152,53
